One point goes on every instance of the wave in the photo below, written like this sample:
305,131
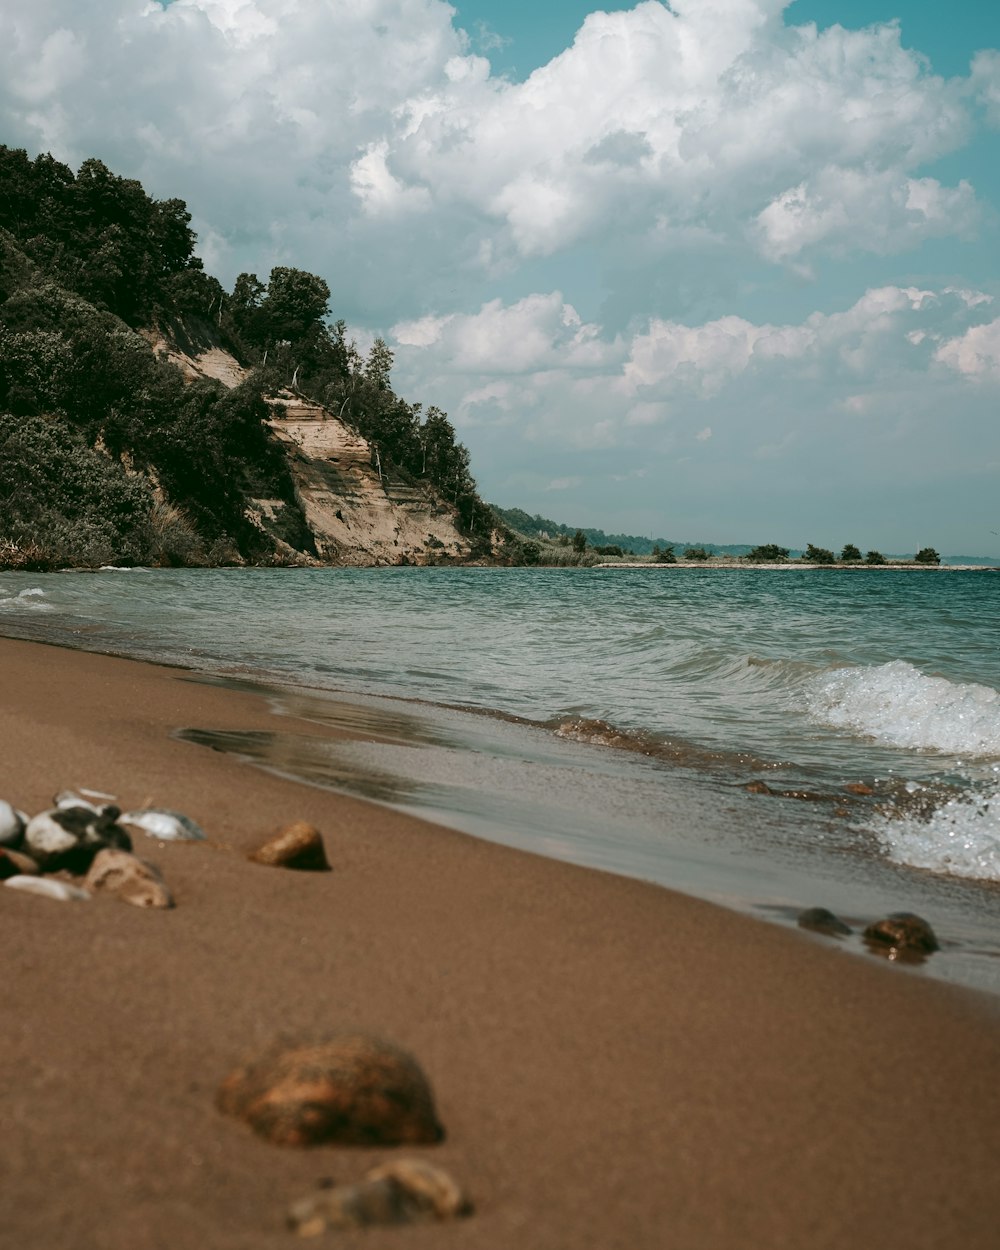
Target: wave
31,600
961,838
897,704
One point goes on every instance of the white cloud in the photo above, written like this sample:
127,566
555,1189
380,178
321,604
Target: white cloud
975,353
306,132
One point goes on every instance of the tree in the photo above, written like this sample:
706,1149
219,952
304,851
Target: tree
927,555
818,555
874,557
768,553
696,553
850,554
579,542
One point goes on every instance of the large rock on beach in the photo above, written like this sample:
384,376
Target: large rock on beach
298,846
70,837
407,1191
12,824
902,933
129,878
351,1090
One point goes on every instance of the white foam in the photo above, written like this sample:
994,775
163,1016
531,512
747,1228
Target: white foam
961,838
897,704
30,600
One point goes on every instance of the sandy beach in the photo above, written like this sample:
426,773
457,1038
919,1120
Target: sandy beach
615,1065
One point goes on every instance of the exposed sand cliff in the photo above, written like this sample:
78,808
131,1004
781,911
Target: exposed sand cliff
357,514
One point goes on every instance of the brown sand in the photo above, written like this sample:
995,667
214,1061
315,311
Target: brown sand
616,1065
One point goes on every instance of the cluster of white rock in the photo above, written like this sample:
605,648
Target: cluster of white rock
82,844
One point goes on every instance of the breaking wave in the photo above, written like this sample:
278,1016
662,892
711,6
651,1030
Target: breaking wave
961,838
31,600
897,704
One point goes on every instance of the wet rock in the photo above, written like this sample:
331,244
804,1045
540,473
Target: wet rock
129,878
353,1090
758,787
61,891
902,932
70,837
298,846
819,920
157,822
16,864
859,787
407,1191
12,824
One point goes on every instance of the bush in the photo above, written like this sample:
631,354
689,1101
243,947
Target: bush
818,555
927,555
696,553
850,554
769,553
875,557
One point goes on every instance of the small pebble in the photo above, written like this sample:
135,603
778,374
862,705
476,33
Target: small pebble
406,1191
902,932
167,826
819,920
12,824
298,846
129,878
62,891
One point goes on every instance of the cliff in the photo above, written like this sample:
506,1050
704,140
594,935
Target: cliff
356,513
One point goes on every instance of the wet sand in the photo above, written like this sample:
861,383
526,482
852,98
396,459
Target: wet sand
616,1065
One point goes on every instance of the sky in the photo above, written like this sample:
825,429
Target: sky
712,270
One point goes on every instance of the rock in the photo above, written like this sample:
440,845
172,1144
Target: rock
859,787
297,846
129,878
354,1090
157,822
67,799
12,823
407,1191
70,837
819,920
16,864
758,787
60,890
901,933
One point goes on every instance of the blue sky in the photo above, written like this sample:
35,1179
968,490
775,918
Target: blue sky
721,270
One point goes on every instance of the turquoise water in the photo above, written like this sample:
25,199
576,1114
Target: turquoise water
613,692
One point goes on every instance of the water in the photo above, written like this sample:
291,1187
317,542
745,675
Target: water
620,713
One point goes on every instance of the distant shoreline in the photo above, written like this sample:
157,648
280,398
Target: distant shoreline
725,563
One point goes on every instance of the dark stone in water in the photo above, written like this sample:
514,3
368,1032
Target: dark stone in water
859,787
353,1090
902,932
758,787
819,920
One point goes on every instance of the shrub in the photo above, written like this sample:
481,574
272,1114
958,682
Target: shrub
875,557
696,553
850,554
818,555
769,553
927,555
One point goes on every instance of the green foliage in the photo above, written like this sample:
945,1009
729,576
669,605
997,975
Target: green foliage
579,542
697,553
850,554
927,555
768,553
663,555
818,555
69,504
875,557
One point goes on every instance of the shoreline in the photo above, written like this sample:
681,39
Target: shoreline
615,1064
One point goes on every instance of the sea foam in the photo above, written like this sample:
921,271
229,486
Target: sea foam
897,704
25,600
961,838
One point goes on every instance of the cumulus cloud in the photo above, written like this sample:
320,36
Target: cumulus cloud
368,140
976,353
